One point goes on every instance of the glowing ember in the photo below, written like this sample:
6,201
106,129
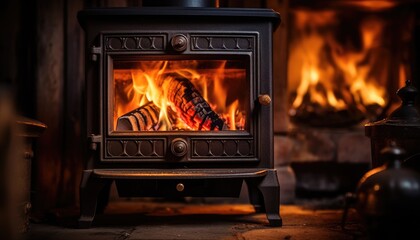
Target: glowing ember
179,95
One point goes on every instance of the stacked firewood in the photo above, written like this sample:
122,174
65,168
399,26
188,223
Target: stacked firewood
187,104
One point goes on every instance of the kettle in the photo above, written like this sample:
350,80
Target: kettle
387,198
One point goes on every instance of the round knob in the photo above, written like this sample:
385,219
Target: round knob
408,93
179,147
180,187
407,113
264,99
179,42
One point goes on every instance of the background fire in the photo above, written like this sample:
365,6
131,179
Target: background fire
339,67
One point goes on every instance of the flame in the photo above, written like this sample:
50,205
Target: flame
336,75
149,82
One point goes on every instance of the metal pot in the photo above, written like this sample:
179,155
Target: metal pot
388,198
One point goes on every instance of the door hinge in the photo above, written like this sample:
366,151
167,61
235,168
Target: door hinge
95,51
94,140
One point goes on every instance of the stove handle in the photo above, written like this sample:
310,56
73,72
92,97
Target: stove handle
264,99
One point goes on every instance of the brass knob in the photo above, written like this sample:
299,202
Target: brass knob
180,187
179,147
179,42
264,99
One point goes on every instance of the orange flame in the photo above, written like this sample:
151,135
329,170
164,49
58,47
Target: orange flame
331,75
149,82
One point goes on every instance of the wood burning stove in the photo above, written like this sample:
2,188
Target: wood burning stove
178,103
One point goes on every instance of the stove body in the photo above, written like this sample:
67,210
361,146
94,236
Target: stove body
169,162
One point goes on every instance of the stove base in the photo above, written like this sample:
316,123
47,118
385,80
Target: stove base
263,187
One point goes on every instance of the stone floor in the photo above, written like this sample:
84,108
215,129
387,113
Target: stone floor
129,220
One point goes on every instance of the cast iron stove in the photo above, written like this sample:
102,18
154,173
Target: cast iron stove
178,103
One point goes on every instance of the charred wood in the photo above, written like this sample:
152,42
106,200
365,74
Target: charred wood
320,116
191,107
144,118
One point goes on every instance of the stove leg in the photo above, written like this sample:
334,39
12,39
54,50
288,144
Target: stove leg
270,189
90,188
103,198
255,196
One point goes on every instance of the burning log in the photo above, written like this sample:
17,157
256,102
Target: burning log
187,105
144,118
191,107
321,116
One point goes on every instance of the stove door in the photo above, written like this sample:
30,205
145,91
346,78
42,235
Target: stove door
190,106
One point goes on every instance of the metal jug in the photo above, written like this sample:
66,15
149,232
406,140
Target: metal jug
387,198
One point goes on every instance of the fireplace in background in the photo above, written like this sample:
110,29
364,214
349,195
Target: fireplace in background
345,60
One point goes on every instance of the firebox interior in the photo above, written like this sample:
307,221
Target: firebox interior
180,94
